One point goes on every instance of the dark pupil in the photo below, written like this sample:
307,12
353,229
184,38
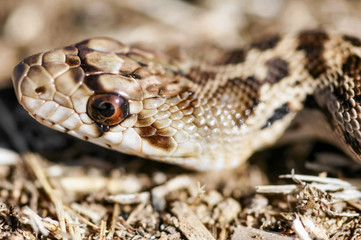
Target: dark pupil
106,109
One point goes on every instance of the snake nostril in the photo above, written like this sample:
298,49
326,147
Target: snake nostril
40,90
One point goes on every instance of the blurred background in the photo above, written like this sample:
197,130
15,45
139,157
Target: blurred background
30,26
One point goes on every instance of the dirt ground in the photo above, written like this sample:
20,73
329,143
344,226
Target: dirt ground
53,186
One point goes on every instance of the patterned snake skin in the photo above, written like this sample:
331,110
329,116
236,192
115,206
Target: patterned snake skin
204,114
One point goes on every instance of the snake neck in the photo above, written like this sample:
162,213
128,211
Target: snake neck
264,86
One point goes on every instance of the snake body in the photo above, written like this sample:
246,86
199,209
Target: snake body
206,114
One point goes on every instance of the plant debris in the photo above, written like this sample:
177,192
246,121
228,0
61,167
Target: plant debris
179,208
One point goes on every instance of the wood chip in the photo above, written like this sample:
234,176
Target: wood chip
131,198
189,223
242,232
158,193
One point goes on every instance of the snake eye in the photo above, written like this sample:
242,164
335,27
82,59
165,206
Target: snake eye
107,109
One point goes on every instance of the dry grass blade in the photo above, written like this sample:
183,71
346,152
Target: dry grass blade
33,162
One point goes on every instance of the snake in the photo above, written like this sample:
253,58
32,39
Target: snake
203,110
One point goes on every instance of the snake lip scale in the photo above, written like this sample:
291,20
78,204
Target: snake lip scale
205,113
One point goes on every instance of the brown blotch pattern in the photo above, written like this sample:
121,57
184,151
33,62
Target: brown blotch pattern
352,66
277,70
34,60
243,94
200,77
164,143
353,40
88,68
235,56
83,45
348,94
312,43
350,140
71,49
267,42
146,131
77,75
278,114
72,61
93,83
163,86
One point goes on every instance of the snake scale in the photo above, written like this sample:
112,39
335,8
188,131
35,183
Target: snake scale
209,113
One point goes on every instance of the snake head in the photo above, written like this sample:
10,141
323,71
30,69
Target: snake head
120,97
